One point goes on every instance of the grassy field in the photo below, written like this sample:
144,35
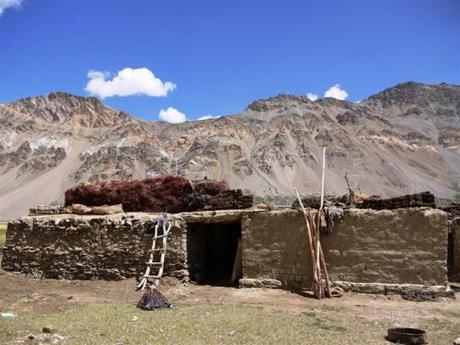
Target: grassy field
104,313
113,323
2,236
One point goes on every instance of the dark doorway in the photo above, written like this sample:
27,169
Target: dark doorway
213,254
450,255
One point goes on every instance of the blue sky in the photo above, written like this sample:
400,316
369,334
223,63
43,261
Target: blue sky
219,56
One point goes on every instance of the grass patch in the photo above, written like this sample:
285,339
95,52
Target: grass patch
3,226
2,234
109,323
330,307
309,314
328,325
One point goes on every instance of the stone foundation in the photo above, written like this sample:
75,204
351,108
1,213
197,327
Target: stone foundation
372,288
396,289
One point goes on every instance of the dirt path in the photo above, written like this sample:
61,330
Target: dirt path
22,293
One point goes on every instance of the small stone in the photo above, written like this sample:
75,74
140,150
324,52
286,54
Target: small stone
457,341
58,337
48,329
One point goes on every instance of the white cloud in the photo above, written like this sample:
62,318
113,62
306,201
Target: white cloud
127,82
312,96
172,115
336,92
207,117
4,4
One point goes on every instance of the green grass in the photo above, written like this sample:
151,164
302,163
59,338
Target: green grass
2,234
109,323
2,237
330,307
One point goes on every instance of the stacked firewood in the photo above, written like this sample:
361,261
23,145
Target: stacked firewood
424,199
229,199
45,210
453,210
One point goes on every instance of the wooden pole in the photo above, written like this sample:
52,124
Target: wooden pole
310,242
317,245
318,223
326,274
236,272
322,178
316,251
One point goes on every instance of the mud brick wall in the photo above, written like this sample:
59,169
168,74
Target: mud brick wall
86,247
402,246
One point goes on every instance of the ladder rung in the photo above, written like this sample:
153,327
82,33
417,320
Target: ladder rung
157,236
160,236
154,263
150,276
157,250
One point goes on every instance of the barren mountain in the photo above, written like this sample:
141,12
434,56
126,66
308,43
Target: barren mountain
404,139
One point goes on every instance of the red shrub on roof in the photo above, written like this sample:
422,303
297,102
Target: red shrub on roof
160,194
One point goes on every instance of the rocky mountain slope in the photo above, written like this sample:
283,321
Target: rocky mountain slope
404,139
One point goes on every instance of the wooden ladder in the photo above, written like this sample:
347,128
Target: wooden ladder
163,225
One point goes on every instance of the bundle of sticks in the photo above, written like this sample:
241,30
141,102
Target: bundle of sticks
321,284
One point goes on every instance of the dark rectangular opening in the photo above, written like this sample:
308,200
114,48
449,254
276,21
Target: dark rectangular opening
450,255
213,254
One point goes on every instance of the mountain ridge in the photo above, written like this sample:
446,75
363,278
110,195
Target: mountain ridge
403,139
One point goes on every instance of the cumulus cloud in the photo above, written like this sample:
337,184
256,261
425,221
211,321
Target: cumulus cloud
312,96
172,115
4,4
336,92
127,82
207,117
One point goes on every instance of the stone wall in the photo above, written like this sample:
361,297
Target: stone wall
387,247
403,246
86,247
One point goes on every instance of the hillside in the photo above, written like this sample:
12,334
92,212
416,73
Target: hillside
403,139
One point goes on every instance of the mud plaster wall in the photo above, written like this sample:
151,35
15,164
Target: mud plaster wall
391,247
86,247
404,246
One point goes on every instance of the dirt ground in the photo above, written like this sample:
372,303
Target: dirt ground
101,312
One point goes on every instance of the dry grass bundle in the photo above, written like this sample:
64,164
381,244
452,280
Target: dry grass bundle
161,194
153,299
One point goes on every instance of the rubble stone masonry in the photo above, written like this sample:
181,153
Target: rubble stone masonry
86,247
401,246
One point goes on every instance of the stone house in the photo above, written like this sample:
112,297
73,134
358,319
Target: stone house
368,250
